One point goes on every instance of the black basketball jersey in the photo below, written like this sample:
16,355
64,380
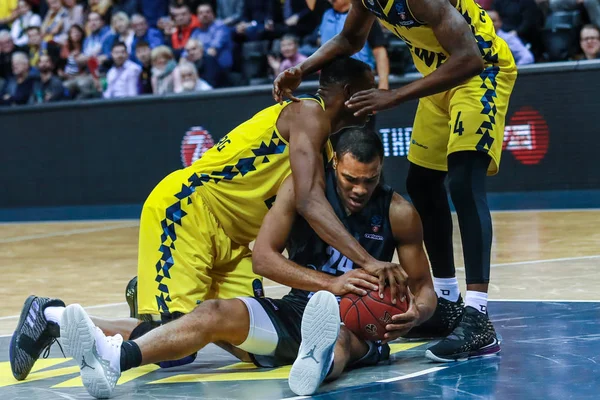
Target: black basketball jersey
371,227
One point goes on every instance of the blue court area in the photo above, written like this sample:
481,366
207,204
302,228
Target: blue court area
549,351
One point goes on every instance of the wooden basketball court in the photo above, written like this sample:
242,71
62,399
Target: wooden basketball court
544,274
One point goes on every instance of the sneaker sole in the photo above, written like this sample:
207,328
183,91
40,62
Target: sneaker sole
320,330
13,340
488,351
77,336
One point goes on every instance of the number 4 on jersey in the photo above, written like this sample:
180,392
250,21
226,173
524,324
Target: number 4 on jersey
458,126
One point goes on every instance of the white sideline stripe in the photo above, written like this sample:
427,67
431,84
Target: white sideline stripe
394,379
67,233
550,260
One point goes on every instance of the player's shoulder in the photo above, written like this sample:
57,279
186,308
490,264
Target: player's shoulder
403,215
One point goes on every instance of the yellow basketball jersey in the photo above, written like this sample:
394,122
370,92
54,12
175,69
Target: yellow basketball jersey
427,53
239,177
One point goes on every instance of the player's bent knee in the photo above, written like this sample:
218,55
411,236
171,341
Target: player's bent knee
222,319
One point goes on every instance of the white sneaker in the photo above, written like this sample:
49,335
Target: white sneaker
320,329
98,355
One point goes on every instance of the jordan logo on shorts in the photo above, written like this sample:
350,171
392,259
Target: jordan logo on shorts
311,354
84,364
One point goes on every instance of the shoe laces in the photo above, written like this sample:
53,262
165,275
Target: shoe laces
46,353
467,324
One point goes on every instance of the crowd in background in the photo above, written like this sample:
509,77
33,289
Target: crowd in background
52,50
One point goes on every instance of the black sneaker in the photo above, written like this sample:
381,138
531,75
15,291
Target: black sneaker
445,318
473,337
33,335
131,297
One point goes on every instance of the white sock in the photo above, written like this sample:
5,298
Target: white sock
477,300
53,314
446,288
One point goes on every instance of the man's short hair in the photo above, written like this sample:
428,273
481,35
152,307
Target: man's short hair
290,37
118,44
342,71
141,43
362,143
20,56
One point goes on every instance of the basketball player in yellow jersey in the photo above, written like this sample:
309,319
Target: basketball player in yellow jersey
458,131
197,223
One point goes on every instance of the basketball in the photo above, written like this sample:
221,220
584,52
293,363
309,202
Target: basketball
366,316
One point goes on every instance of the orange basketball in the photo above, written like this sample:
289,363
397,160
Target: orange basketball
366,316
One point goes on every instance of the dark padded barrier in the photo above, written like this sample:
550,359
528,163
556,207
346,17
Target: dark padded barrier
114,152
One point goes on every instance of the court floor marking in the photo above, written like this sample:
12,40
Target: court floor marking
394,379
67,233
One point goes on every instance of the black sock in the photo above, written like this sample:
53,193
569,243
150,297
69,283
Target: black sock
131,356
428,194
467,172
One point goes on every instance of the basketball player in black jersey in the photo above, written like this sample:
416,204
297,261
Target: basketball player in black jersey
270,331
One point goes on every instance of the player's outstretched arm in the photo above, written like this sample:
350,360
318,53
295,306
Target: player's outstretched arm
408,233
268,260
455,36
352,38
309,130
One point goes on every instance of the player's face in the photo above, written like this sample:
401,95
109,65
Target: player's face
356,181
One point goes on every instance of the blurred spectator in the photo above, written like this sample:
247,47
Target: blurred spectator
122,33
36,47
83,85
206,65
589,38
153,10
102,7
185,23
167,27
7,48
257,20
163,67
92,45
373,53
72,50
143,53
50,88
288,46
25,19
521,17
74,14
53,27
591,6
141,31
129,7
7,13
18,89
297,17
187,80
122,77
230,11
521,53
215,36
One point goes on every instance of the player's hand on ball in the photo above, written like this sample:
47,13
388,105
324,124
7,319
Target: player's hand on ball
370,101
285,84
402,323
393,274
356,281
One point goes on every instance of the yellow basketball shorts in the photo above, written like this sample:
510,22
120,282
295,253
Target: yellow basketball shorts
469,117
185,257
